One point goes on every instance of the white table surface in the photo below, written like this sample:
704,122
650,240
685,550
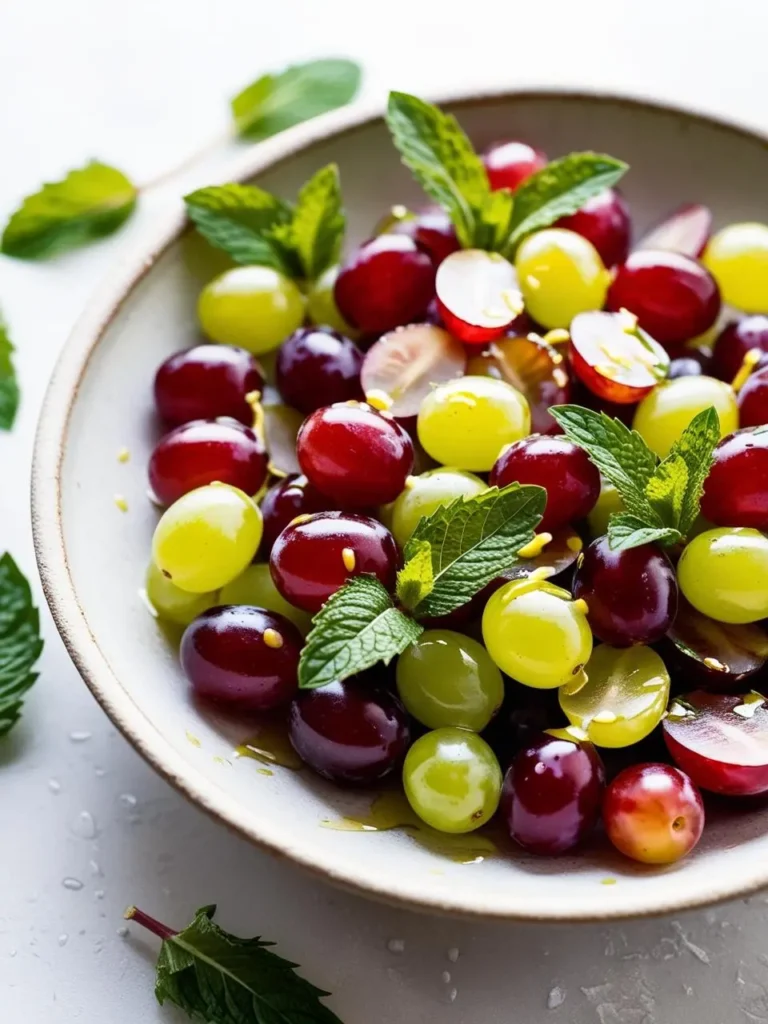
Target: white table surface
85,826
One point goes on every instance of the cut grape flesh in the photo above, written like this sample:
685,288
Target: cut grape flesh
686,230
478,294
615,358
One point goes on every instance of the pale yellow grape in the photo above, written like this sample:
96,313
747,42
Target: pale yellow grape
561,274
664,414
321,304
724,574
426,493
254,307
173,604
207,537
737,257
609,501
256,587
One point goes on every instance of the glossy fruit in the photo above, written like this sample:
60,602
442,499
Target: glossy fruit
571,481
724,574
653,813
623,699
203,452
692,365
608,502
207,537
685,231
523,716
256,308
321,304
663,415
465,423
736,490
508,164
615,358
243,656
354,732
738,257
452,780
401,368
446,678
173,604
316,367
721,741
605,222
537,370
478,295
312,558
255,586
673,297
354,454
290,497
552,794
561,274
559,554
536,633
386,283
432,231
631,594
426,493
207,381
753,400
734,341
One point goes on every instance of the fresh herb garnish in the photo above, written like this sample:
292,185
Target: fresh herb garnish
219,978
662,499
9,386
443,161
451,556
254,227
20,643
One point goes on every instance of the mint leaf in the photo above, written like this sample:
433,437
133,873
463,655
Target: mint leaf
472,541
9,387
695,448
440,156
317,228
357,627
20,643
492,219
89,203
415,580
559,189
627,531
666,489
275,102
240,219
621,455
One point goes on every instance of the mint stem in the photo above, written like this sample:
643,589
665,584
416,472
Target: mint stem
160,930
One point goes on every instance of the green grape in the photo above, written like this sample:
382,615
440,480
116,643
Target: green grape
321,305
608,502
173,604
452,780
256,587
737,257
426,493
561,274
207,537
446,678
254,307
624,698
537,634
724,574
466,422
663,415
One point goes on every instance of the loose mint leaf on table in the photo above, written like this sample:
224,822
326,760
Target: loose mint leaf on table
9,386
89,203
218,978
357,627
471,541
275,102
20,643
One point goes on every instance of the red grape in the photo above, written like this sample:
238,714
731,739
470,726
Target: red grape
316,366
243,656
508,164
617,360
353,732
686,231
605,222
313,557
207,381
204,452
290,497
736,490
753,400
478,295
734,341
432,231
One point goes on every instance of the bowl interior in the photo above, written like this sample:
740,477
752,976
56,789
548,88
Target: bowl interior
101,402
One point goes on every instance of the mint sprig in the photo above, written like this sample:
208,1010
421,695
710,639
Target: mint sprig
20,642
662,499
9,385
255,227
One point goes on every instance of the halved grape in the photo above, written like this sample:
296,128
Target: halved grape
558,554
615,358
686,230
721,741
623,699
478,295
403,365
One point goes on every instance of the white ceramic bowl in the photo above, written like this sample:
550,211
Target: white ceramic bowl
92,556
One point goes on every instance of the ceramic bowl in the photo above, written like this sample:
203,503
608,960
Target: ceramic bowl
92,556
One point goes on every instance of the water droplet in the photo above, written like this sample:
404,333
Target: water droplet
128,800
555,998
122,932
54,785
99,894
95,869
84,826
74,884
33,897
99,772
396,946
63,939
79,736
453,954
13,953
446,977
452,995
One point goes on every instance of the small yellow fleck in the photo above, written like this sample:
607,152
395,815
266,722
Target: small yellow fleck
253,398
379,399
348,558
751,359
542,573
560,377
574,543
273,639
615,356
580,560
677,710
123,455
410,483
568,732
536,546
496,313
121,503
629,320
193,739
558,336
607,881
607,371
300,519
264,771
605,718
581,605
222,760
513,299
749,706
715,665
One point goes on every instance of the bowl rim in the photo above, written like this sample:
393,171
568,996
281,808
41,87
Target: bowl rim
61,595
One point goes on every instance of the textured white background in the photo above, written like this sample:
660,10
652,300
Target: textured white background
85,827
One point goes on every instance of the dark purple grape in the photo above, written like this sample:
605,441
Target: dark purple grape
207,381
316,366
